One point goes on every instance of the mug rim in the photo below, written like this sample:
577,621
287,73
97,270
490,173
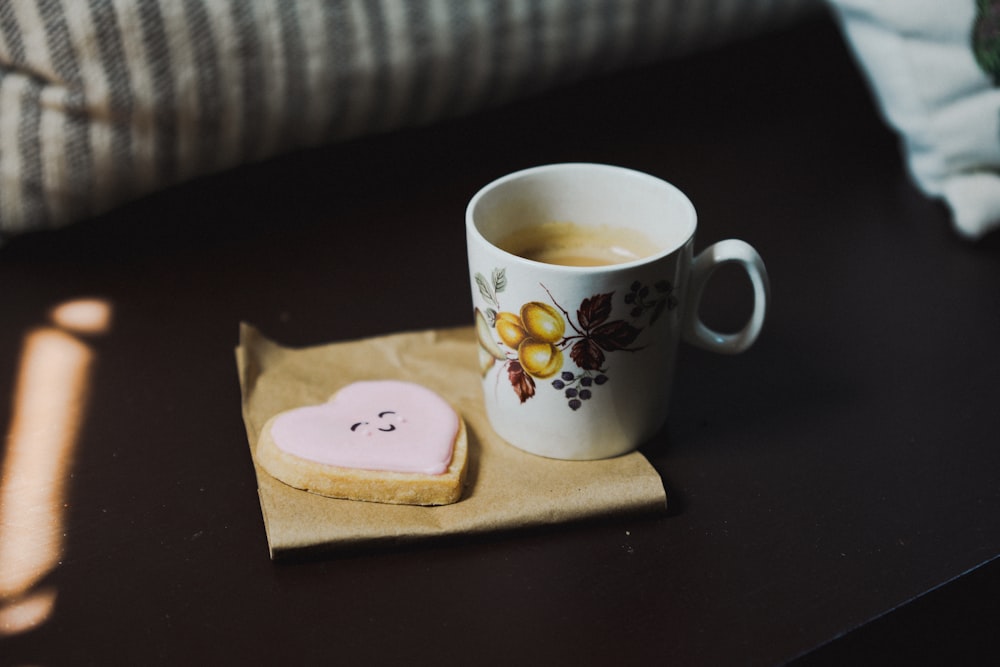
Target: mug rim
473,228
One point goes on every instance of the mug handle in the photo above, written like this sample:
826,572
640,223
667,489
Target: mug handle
705,264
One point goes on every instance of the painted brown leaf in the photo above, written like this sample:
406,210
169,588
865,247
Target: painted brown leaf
587,355
523,384
594,310
617,335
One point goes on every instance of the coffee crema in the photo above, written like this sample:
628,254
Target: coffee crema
572,244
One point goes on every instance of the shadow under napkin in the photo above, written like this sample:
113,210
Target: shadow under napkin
505,487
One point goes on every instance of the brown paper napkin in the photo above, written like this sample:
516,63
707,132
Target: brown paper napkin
505,487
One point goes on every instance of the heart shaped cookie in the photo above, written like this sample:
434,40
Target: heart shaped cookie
383,441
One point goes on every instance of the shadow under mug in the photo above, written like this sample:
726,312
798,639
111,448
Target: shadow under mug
577,362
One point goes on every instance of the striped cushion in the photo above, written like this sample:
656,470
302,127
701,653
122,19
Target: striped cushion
102,101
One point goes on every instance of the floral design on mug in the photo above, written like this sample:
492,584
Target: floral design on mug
643,299
533,342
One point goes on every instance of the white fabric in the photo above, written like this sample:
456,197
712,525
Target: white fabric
919,58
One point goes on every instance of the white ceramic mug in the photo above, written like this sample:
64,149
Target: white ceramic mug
578,361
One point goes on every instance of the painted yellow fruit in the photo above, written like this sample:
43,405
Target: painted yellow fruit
542,322
510,329
539,359
485,336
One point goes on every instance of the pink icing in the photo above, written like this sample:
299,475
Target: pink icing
378,425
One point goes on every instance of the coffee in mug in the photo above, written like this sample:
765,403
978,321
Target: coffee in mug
569,244
584,281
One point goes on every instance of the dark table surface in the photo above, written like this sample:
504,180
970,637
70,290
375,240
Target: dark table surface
828,489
